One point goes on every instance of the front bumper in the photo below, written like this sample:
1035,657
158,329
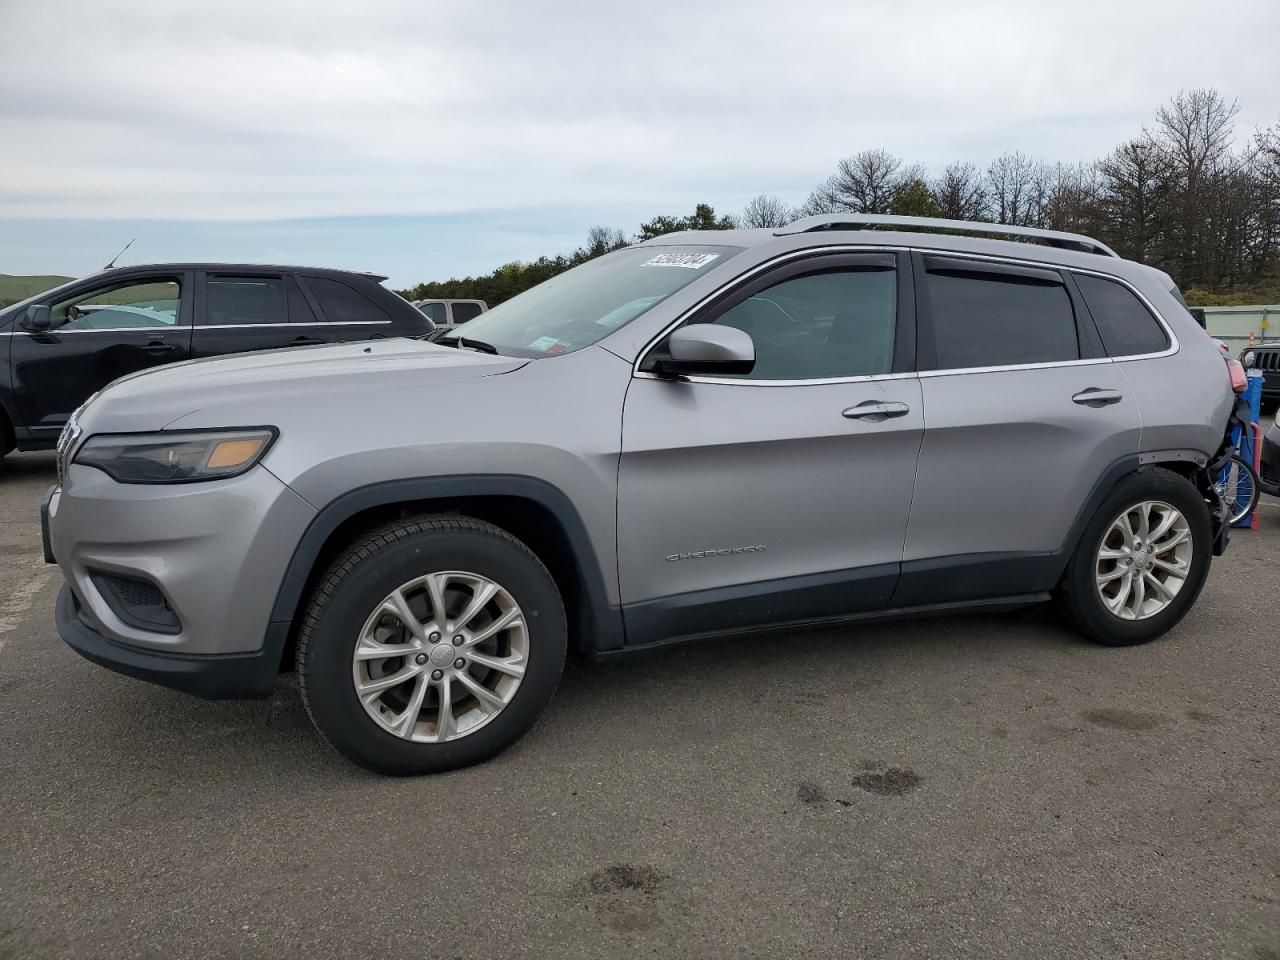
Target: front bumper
213,677
216,552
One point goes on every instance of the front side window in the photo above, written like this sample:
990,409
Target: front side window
824,325
244,301
992,319
146,303
1127,327
435,312
576,308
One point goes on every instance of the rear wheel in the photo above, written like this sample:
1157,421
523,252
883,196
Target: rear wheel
1142,561
431,644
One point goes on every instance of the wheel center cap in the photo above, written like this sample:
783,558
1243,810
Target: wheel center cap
442,655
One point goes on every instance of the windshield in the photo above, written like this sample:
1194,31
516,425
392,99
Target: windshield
585,304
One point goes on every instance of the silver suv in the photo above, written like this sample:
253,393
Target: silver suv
704,434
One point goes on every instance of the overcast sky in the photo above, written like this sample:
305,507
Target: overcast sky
424,139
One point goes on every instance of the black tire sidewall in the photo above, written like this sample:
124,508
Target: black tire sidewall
341,611
1084,604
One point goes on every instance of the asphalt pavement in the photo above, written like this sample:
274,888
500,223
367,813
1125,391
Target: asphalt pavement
978,786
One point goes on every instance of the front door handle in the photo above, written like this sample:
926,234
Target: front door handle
306,342
873,411
1097,397
157,347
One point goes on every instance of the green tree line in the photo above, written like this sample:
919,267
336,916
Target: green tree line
1183,195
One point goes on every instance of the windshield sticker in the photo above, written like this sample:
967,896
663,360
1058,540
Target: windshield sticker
691,261
549,345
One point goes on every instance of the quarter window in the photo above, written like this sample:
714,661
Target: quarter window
340,304
149,303
828,324
1126,326
243,300
991,319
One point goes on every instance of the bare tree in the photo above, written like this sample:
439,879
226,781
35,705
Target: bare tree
1064,196
960,193
602,240
863,183
1131,197
1010,179
766,210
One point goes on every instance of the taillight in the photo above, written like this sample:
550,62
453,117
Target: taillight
1239,382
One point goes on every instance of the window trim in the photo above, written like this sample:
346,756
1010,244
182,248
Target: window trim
909,253
794,264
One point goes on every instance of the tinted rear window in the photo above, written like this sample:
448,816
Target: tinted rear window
341,304
462,312
990,319
1125,324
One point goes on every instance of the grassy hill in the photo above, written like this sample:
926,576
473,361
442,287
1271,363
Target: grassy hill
13,289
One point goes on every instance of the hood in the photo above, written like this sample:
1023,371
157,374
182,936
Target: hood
255,382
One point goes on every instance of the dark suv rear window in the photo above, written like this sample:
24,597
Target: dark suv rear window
992,319
341,304
1125,324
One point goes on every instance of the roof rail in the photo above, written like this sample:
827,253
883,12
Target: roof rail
861,221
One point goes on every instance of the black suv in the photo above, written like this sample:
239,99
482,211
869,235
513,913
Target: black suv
73,340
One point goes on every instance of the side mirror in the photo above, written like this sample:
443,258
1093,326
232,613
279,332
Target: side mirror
37,319
708,348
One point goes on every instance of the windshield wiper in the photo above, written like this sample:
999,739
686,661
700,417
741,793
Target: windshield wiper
469,343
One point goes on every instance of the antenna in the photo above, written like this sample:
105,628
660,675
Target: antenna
119,255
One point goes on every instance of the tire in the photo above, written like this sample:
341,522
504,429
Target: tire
455,555
1082,595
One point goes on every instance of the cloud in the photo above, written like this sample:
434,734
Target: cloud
255,110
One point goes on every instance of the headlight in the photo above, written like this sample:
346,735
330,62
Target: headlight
175,457
1249,358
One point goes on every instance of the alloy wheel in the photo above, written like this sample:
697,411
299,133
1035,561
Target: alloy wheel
440,656
1143,560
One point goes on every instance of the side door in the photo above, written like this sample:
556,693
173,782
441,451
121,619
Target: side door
782,495
346,313
243,311
1025,416
99,332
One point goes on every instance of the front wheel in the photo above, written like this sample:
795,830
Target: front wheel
430,644
1142,560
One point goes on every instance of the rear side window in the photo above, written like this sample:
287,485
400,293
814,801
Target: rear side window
341,304
232,300
462,312
992,319
1125,324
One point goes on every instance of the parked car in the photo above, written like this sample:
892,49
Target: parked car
447,314
704,434
1265,356
71,341
1269,474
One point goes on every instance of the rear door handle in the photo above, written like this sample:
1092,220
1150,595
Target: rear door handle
306,342
873,411
1096,397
